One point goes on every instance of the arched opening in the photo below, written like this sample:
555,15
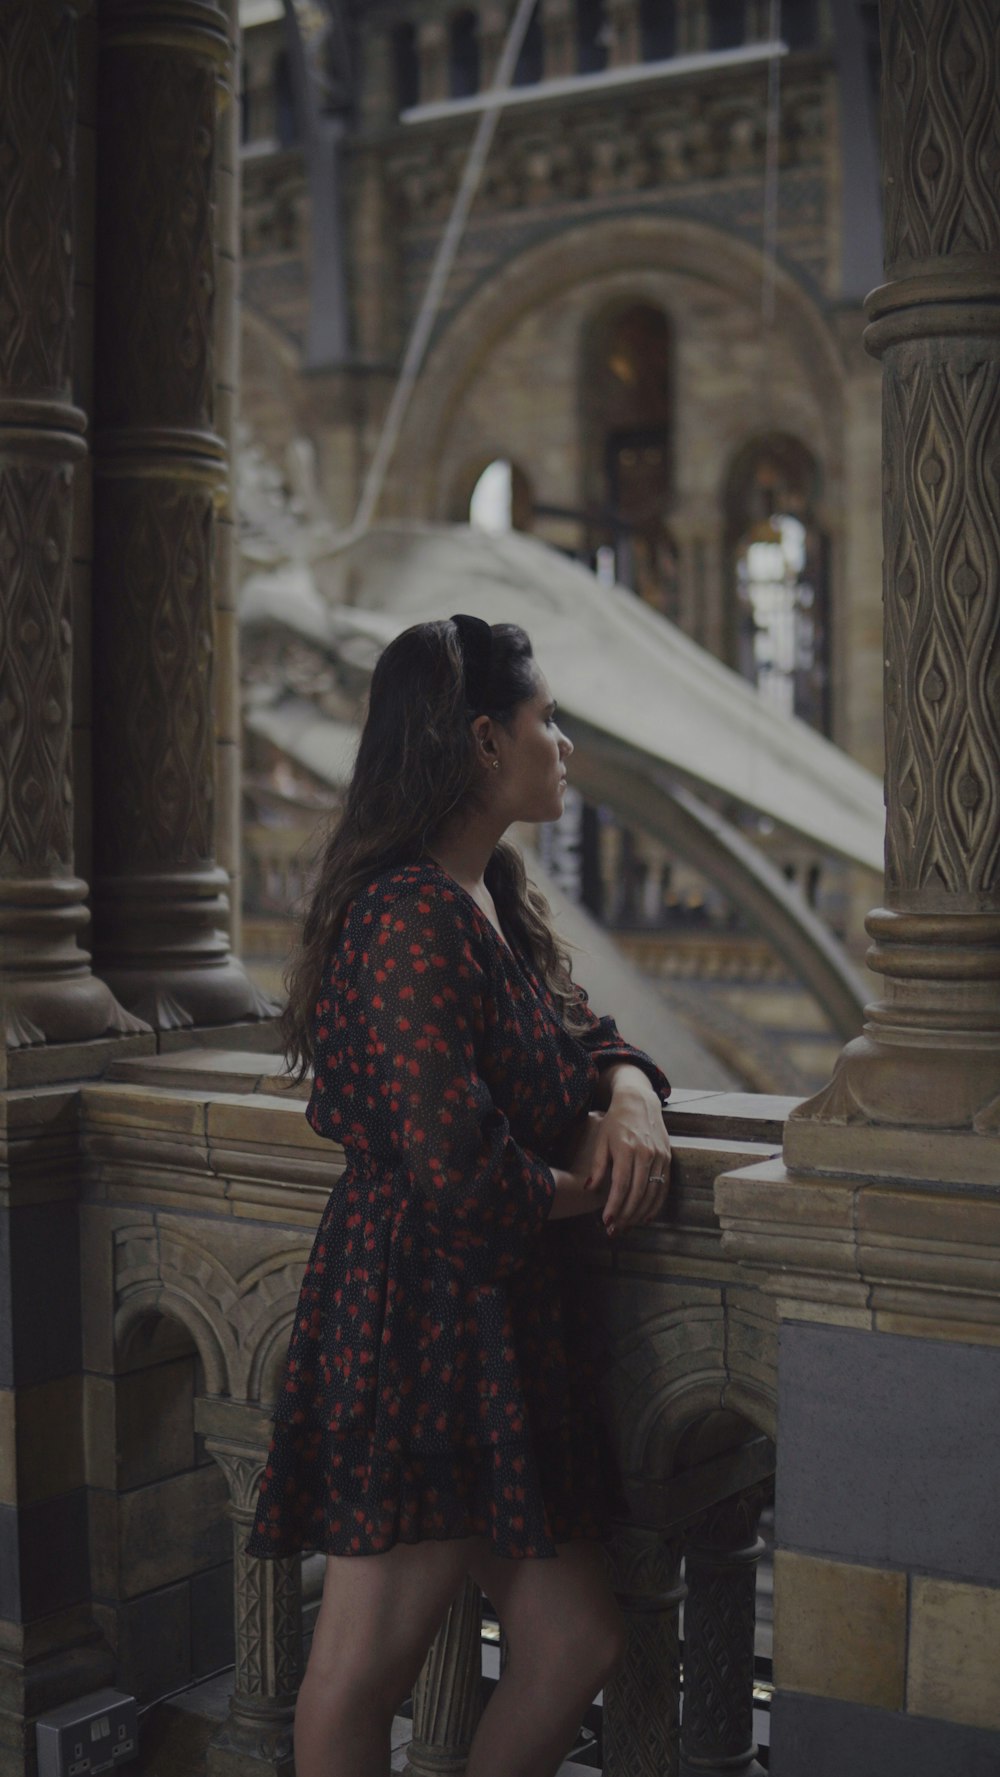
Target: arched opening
779,606
406,66
626,377
463,54
591,36
800,23
726,23
530,64
657,29
173,1584
501,500
286,126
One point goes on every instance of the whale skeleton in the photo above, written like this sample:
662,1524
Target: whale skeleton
657,722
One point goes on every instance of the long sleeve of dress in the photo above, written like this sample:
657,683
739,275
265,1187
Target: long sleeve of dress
398,1080
605,1044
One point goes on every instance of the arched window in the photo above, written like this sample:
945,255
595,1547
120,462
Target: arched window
626,401
406,66
501,499
530,64
591,36
285,121
657,29
800,23
726,23
779,615
463,55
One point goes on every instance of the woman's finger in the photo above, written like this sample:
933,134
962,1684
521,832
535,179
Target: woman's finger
622,1167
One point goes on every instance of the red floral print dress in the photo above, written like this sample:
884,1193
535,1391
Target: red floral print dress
440,1375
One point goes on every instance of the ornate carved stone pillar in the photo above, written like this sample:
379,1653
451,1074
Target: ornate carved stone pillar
918,1094
642,1701
267,1598
447,1698
720,1614
47,991
160,486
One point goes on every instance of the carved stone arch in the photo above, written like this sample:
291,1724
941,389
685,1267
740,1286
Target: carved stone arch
564,260
269,1294
649,1444
145,1300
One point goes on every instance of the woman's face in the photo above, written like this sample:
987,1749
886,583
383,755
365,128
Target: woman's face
531,781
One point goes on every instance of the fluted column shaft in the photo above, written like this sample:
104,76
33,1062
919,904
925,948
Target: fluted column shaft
47,991
160,488
925,1076
447,1697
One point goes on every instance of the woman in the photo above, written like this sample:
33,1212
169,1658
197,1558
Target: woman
438,1413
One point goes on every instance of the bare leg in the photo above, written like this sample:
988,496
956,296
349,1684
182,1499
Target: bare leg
377,1618
566,1637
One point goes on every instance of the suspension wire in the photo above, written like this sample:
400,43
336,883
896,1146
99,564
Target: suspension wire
444,259
771,161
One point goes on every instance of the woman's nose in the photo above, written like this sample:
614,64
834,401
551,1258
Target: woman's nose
565,745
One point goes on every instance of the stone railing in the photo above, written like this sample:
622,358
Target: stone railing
202,1187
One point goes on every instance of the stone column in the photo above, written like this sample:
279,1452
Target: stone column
432,48
163,644
917,1096
226,697
625,48
559,24
267,1601
720,1614
642,1701
447,1697
47,991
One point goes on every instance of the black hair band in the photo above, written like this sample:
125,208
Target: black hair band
476,642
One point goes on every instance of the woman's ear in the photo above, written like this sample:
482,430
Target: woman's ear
486,747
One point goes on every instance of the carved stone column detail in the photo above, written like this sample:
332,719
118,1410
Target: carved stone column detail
642,1700
720,1614
923,1081
559,26
161,469
47,991
447,1697
267,1597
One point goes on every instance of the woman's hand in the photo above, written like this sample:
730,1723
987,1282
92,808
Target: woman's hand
631,1143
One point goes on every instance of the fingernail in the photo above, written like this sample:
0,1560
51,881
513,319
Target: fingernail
587,1181
610,1227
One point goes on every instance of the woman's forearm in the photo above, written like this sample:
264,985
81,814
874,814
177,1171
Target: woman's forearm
571,1199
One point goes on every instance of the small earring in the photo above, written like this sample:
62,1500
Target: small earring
496,765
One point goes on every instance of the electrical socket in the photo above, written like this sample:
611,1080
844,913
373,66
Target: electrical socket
98,1732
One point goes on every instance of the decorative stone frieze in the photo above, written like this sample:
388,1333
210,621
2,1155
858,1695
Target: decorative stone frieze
47,991
161,469
918,1094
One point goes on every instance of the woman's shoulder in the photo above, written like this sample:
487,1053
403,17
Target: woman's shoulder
408,895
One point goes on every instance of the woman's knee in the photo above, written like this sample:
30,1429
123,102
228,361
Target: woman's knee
587,1652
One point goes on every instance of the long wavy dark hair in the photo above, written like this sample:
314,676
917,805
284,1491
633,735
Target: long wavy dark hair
415,773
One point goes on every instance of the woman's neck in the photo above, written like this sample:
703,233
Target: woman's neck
466,853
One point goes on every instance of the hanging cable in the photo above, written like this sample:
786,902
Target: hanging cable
444,259
771,163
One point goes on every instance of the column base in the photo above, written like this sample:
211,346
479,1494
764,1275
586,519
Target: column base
47,991
237,1749
162,947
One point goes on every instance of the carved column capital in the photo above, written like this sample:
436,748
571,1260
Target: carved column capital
929,1058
